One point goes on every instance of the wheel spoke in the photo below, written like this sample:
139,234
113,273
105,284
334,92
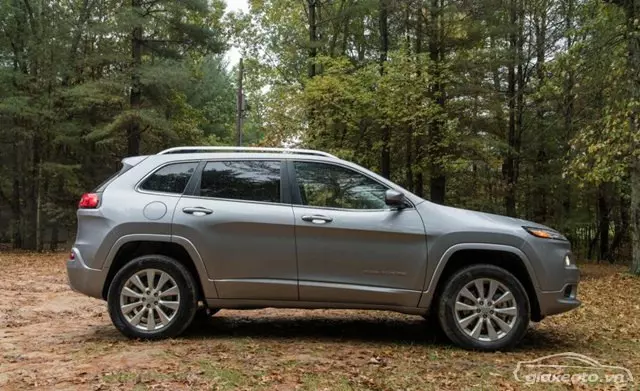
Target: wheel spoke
475,333
493,286
164,319
467,321
505,296
502,325
467,294
170,304
131,293
511,311
491,331
171,291
480,287
460,306
164,277
130,307
138,282
151,274
136,319
151,319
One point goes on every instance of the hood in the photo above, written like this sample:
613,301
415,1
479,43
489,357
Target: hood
470,218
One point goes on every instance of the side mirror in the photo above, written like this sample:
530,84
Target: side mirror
394,198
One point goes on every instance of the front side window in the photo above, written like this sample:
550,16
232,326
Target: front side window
172,178
250,180
331,186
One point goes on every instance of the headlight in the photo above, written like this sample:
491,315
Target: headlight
567,260
545,233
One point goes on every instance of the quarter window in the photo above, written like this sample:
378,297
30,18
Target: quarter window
328,185
250,180
172,178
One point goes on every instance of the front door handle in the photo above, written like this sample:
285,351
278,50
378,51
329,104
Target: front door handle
317,219
197,211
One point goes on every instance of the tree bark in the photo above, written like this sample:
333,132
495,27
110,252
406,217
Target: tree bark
437,180
604,222
541,166
632,10
16,217
514,97
135,98
313,37
385,155
419,139
568,105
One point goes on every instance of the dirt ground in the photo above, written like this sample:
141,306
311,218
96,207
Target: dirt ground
53,338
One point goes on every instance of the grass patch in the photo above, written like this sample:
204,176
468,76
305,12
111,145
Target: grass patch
227,378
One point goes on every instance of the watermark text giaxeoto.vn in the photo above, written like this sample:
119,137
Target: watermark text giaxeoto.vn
570,368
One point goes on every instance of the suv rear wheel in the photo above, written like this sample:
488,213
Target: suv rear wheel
152,297
484,307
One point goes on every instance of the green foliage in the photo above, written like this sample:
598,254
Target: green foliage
67,78
528,101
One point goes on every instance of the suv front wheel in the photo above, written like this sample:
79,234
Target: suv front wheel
484,307
152,297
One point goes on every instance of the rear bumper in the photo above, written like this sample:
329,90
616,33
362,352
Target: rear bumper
556,302
84,279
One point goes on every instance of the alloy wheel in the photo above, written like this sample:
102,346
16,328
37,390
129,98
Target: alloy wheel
150,299
486,310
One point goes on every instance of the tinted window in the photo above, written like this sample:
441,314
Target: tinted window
172,178
327,185
251,180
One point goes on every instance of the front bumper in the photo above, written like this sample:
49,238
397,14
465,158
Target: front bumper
556,302
84,279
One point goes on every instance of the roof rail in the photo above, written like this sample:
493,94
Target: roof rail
244,149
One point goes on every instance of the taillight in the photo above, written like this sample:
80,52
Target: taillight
89,201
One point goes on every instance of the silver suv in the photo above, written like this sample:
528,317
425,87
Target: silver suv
203,228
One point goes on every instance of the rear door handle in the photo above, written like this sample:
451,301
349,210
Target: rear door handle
197,211
317,219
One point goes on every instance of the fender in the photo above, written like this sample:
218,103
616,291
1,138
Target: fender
427,294
208,286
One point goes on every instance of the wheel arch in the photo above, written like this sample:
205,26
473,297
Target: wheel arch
132,246
509,258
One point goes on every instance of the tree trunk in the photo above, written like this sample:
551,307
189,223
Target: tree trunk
419,139
632,9
53,245
385,155
437,182
568,106
509,171
135,98
604,222
621,224
541,166
313,38
16,217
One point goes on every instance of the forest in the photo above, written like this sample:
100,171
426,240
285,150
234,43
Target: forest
528,108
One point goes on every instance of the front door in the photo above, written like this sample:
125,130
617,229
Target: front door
238,221
352,247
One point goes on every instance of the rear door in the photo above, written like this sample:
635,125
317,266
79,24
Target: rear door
241,222
351,246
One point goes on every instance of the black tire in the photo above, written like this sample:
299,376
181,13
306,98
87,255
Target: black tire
446,307
188,302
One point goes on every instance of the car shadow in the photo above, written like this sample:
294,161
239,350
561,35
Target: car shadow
407,330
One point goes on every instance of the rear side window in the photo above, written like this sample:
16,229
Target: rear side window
250,180
172,178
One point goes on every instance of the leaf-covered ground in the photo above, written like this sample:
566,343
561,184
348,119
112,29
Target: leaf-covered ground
53,338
